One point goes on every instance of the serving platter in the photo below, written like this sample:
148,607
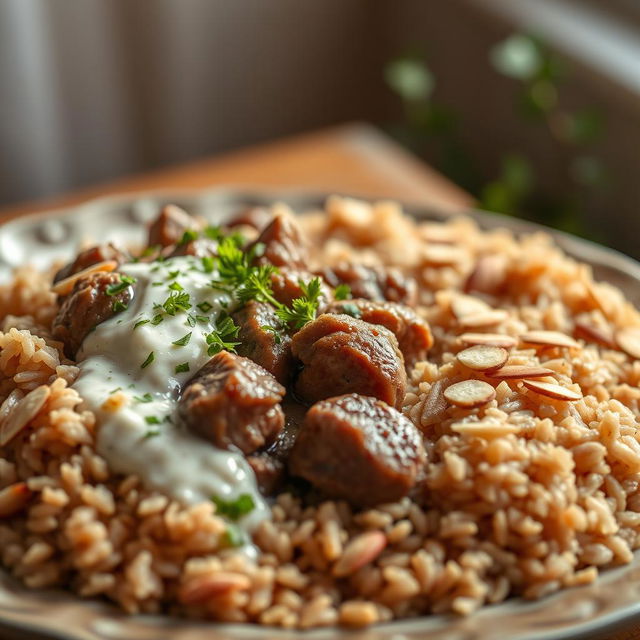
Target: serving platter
582,612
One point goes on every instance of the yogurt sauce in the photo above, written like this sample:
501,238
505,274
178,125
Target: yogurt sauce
135,406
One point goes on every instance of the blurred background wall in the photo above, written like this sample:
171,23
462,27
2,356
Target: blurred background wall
100,88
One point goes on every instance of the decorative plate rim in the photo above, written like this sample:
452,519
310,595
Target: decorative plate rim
572,613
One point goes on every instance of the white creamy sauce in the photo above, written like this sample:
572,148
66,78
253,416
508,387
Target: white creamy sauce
145,437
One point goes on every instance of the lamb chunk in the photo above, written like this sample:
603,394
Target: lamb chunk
413,334
233,402
88,304
89,257
264,340
359,449
379,284
341,354
284,244
256,217
169,227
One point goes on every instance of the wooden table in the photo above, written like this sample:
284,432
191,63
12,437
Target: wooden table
354,159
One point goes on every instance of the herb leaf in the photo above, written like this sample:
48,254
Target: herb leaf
302,310
152,433
150,358
119,306
236,508
182,368
152,420
145,398
141,322
221,338
118,287
342,292
183,341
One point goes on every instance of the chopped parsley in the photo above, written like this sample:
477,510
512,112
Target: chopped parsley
145,398
119,287
236,508
233,536
303,309
152,420
115,390
152,433
191,321
119,306
189,236
221,338
182,368
276,334
205,306
208,263
351,310
213,233
183,341
177,301
150,358
176,286
342,292
174,274
141,322
157,319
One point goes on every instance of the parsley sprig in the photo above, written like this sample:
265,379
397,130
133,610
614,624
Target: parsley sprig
222,337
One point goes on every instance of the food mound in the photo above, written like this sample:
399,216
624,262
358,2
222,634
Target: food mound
337,418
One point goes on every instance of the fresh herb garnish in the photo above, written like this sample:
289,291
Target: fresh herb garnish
221,338
141,322
115,390
351,310
152,420
157,319
145,398
233,536
236,508
276,334
303,309
342,292
177,301
205,306
214,233
152,433
176,286
182,368
150,358
208,263
191,321
119,306
183,341
118,287
174,274
189,236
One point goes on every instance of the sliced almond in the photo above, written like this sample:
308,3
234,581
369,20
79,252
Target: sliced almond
629,341
13,498
64,287
483,357
549,339
490,339
520,371
462,306
23,412
434,405
485,428
470,393
590,333
488,318
552,390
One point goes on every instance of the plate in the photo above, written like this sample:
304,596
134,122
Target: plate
581,612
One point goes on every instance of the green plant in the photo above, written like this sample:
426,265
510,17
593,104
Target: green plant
433,128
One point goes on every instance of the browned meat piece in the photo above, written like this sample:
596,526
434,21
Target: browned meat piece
374,283
284,244
264,340
358,448
233,402
256,217
413,333
285,284
270,466
341,354
89,257
200,247
89,304
170,225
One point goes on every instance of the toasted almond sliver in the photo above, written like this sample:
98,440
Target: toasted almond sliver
462,306
489,273
23,412
591,333
552,390
629,341
64,287
483,357
441,254
470,393
484,319
485,428
520,371
549,339
490,339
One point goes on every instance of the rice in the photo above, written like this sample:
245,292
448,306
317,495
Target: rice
525,495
